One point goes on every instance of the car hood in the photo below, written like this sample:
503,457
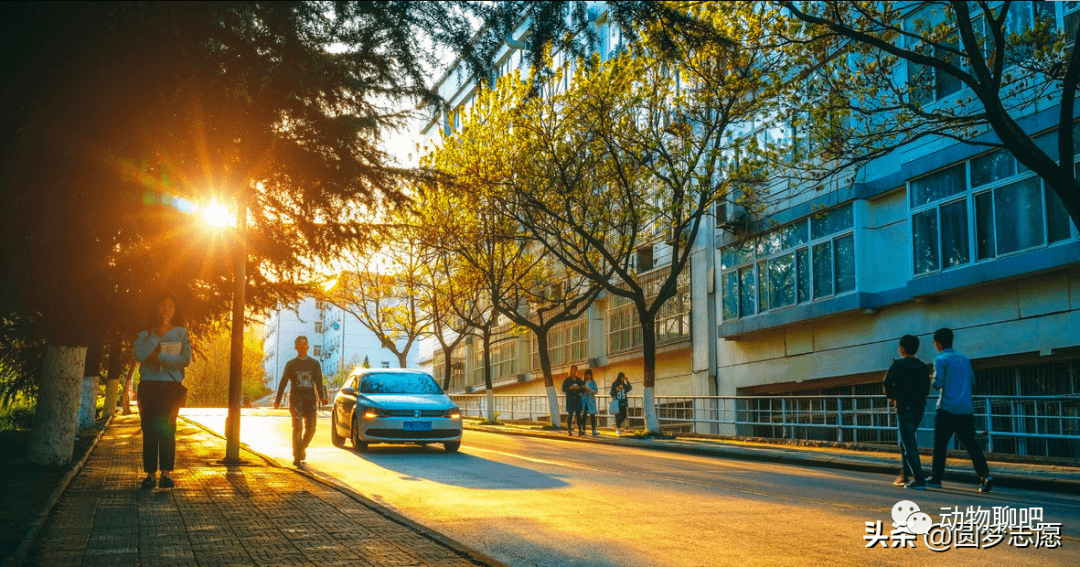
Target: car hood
407,401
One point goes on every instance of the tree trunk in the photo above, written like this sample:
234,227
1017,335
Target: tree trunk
125,400
401,356
448,368
91,377
112,386
549,382
488,388
648,375
52,439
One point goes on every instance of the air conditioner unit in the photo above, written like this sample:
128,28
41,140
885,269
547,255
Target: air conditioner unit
594,362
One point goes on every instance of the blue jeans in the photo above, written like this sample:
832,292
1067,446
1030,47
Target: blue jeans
909,447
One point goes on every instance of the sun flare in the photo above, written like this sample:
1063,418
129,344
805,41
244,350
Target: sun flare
216,215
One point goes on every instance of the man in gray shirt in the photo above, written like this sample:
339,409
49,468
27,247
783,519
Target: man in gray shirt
954,376
305,376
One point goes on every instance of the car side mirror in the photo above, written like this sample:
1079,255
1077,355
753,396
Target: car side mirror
348,391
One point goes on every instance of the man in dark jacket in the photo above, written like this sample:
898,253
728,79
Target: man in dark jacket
907,384
572,387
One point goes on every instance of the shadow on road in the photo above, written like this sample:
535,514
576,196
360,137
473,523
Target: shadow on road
456,469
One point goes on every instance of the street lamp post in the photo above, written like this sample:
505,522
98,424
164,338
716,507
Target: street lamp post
236,355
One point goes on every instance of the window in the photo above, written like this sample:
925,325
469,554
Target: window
567,343
978,210
927,84
457,370
386,364
504,353
644,259
321,305
319,326
316,351
672,320
806,260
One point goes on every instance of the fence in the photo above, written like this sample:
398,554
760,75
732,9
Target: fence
1023,425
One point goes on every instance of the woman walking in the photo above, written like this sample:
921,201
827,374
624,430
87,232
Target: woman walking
588,403
619,389
163,351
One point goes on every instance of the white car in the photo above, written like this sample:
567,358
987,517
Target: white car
381,405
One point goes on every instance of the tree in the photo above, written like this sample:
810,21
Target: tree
635,153
207,379
522,281
119,119
992,63
381,288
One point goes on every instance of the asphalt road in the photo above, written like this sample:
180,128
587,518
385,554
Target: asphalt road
539,502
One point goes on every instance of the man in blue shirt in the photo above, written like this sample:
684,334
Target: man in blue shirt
954,376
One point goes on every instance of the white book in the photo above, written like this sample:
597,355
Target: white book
171,348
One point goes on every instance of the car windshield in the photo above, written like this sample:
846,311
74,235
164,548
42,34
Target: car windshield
394,383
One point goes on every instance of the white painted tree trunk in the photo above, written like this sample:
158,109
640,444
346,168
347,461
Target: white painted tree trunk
652,423
490,405
88,403
553,406
112,389
52,438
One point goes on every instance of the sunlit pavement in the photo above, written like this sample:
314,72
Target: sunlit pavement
254,514
536,501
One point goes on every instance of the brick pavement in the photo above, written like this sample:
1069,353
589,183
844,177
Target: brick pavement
255,514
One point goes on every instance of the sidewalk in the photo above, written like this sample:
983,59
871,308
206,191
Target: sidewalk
1046,475
256,514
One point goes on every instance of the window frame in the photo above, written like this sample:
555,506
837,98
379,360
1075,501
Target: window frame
768,248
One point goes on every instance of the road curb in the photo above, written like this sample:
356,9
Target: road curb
778,456
331,482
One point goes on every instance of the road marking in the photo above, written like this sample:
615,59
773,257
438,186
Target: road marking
541,461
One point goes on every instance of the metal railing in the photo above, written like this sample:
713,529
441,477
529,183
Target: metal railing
1022,425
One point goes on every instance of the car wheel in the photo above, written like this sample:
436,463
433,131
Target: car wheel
452,446
354,436
335,438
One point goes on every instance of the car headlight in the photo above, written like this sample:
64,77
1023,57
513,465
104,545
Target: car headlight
453,413
372,413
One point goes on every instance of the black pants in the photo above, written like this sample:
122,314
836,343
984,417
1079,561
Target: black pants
571,412
621,416
159,404
909,447
585,416
945,425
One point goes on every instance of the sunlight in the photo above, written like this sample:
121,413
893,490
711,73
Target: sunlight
216,214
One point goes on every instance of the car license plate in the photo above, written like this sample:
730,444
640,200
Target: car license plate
417,426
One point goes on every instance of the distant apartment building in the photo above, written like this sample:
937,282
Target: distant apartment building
336,339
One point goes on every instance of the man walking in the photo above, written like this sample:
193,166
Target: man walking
306,393
907,384
954,376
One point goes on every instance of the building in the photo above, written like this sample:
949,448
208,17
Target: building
935,234
336,338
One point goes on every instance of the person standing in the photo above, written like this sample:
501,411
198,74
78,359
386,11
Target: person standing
163,350
619,389
954,377
571,387
306,393
588,402
907,384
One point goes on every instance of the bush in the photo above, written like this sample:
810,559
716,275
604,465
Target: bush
19,415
